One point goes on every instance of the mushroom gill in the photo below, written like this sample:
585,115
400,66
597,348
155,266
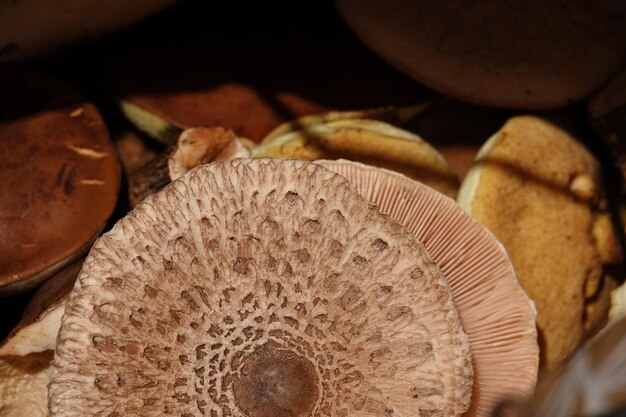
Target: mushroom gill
496,313
260,287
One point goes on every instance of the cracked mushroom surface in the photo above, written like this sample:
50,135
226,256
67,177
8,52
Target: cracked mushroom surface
260,288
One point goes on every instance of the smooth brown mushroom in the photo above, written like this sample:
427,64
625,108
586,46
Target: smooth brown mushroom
496,313
59,177
527,54
260,288
539,191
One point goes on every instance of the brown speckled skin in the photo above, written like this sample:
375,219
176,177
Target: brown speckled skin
524,197
48,212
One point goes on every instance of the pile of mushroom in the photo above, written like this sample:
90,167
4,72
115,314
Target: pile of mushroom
247,284
272,287
303,229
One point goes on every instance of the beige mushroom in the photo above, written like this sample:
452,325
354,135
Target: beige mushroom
496,313
364,140
539,191
26,354
260,288
527,54
195,146
607,113
59,178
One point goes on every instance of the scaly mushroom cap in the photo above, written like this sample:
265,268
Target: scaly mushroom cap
260,288
496,313
201,145
59,177
24,384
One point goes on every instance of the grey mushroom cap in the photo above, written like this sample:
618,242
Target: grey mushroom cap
260,288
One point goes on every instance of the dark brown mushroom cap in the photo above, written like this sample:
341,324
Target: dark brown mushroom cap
260,287
59,177
525,54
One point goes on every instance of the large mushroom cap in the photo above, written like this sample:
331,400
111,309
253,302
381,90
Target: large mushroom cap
528,54
260,288
59,177
496,313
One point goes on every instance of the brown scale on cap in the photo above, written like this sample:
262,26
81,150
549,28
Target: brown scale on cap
247,278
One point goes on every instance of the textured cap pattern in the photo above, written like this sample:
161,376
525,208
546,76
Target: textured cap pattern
259,288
